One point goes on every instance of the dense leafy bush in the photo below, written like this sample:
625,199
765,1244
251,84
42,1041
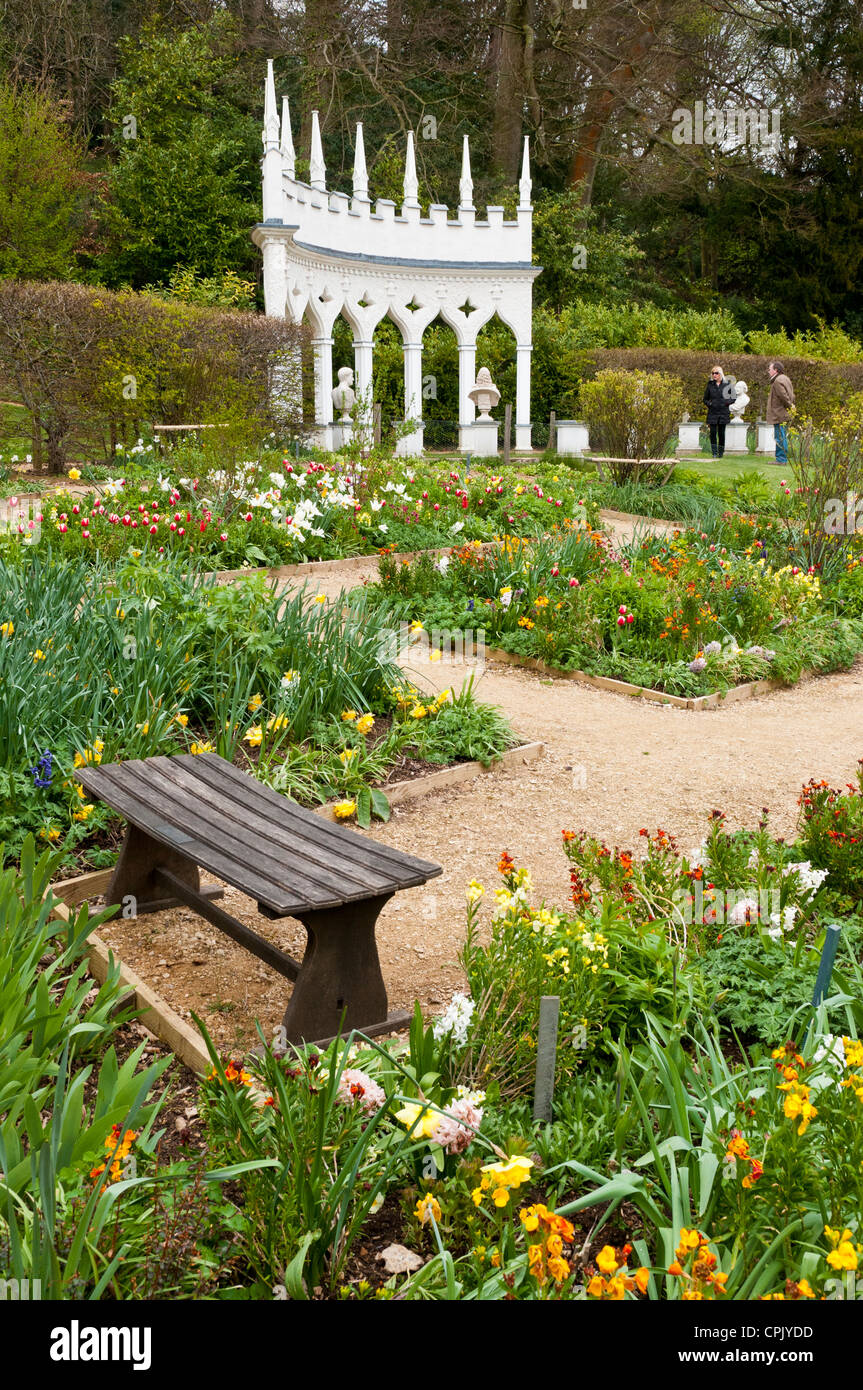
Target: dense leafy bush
630,416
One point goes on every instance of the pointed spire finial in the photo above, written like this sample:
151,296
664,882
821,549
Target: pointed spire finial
289,157
361,178
270,135
465,185
524,183
317,168
411,183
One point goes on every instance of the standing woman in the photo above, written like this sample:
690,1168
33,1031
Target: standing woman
718,410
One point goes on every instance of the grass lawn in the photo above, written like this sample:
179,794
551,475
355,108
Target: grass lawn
732,464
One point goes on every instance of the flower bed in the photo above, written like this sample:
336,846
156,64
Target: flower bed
106,664
684,615
704,1145
281,511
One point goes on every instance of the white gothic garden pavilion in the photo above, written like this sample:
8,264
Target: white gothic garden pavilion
327,254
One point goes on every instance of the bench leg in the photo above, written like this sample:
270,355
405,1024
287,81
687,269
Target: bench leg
340,984
134,876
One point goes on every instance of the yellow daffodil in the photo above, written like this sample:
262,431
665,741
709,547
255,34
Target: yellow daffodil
254,736
365,724
343,810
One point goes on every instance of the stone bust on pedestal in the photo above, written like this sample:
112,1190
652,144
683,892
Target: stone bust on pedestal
741,400
344,397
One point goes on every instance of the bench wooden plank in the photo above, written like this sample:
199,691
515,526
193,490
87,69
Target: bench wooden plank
278,858
252,828
221,818
338,840
143,806
189,812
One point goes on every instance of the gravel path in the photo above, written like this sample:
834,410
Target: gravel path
612,765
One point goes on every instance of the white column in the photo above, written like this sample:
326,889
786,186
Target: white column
466,379
522,396
323,391
275,276
363,353
412,444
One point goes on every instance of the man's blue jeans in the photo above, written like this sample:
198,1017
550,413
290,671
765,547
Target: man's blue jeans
780,435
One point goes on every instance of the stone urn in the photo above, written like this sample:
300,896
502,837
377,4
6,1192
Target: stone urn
484,393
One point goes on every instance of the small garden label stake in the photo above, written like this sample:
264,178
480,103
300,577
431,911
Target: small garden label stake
825,965
546,1051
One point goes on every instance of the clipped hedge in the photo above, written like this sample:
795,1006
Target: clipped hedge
819,387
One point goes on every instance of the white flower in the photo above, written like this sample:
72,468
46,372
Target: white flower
442,565
831,1052
777,926
745,909
459,526
376,505
810,879
456,1021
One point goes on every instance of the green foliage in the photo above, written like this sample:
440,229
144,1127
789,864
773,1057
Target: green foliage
830,343
760,989
226,290
40,175
183,190
630,416
582,260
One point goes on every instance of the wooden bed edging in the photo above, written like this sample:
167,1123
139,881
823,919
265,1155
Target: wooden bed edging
157,1014
715,700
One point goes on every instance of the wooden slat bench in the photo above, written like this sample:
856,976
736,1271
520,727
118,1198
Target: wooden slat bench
196,812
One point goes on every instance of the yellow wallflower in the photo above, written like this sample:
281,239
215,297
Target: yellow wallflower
426,1208
424,1121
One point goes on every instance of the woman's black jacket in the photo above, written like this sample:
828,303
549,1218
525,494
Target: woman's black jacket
718,408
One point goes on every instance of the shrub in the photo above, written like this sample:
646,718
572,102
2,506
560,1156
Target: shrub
631,415
819,387
87,364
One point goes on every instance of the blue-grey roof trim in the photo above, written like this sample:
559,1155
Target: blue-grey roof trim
416,265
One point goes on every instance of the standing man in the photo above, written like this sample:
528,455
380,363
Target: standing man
779,405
